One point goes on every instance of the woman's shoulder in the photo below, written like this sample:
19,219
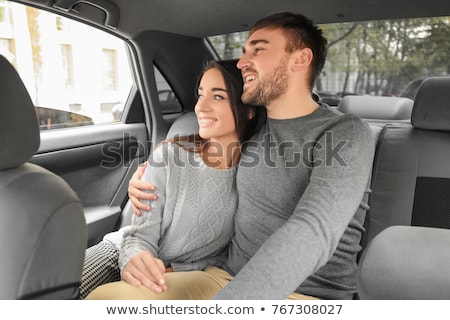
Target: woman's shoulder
168,152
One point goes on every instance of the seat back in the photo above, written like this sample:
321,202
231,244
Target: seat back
408,224
43,230
411,186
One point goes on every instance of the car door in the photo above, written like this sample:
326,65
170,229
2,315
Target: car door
93,128
98,102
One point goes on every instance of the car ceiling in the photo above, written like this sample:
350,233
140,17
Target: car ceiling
200,18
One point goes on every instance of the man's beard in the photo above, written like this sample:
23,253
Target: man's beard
270,87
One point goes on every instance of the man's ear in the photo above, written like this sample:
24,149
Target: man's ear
302,59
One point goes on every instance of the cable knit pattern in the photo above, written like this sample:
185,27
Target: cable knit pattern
193,219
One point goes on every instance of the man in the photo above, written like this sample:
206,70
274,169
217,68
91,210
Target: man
300,179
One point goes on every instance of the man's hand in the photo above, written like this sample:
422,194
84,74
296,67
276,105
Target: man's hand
137,193
146,270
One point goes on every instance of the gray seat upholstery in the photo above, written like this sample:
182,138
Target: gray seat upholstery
375,108
42,230
410,186
183,125
406,263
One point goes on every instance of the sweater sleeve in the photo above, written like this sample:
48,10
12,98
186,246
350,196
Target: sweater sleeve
310,236
146,230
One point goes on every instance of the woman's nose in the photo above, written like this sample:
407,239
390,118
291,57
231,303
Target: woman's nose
201,105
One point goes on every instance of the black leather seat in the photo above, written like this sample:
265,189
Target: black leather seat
411,188
42,231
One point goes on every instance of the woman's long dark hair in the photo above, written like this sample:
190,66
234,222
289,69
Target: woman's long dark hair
248,119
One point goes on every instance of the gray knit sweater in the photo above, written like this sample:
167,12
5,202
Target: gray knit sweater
300,182
193,219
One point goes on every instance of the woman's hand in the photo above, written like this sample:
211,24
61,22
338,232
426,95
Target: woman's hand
144,269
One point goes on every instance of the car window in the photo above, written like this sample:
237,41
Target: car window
167,99
383,58
75,74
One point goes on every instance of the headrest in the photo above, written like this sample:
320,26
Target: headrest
377,107
19,127
185,124
431,109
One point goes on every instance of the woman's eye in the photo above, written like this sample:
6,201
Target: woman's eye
218,97
199,96
258,50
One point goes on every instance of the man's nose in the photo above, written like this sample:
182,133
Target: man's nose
243,62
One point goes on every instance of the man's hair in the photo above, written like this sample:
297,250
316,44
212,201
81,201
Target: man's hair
300,32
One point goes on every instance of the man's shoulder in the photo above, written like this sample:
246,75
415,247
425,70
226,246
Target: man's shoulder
338,119
348,127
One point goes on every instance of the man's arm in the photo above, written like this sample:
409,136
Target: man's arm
137,191
308,239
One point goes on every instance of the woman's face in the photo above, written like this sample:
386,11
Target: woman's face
213,109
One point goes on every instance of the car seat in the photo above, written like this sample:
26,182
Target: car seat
407,234
43,230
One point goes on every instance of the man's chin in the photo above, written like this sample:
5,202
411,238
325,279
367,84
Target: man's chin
247,98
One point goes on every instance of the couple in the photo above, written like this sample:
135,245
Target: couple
300,182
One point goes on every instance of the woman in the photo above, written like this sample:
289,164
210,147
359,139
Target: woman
191,223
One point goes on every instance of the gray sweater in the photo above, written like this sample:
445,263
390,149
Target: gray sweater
300,182
193,219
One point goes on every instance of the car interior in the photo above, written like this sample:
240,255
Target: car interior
38,233
63,188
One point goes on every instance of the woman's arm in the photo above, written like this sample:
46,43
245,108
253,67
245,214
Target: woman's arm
138,256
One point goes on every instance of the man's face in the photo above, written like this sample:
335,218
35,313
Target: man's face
264,66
